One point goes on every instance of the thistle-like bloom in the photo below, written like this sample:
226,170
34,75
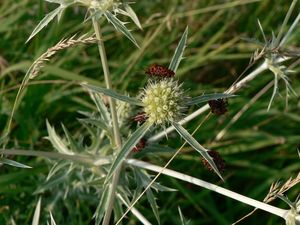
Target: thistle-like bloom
163,101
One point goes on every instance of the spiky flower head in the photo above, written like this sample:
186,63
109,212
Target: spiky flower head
103,5
163,101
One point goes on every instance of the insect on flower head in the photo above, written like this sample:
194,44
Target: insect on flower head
218,106
159,71
140,145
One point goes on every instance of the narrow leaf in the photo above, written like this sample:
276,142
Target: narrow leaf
101,108
56,141
199,148
73,145
182,219
113,94
119,25
132,15
44,22
14,163
153,204
102,206
127,147
207,97
36,216
52,219
177,57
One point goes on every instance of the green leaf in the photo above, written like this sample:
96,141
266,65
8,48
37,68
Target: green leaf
101,108
132,15
102,206
56,141
182,219
153,204
199,148
14,163
52,219
177,57
127,147
73,145
36,216
207,97
119,25
44,22
98,123
113,94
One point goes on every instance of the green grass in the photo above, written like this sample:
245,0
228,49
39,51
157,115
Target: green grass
259,148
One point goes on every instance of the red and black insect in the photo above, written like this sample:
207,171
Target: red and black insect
140,145
140,117
159,71
218,106
220,163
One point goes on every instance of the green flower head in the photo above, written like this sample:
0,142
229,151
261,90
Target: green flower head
163,101
104,5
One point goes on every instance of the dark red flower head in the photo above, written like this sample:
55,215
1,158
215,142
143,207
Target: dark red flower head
220,163
140,117
140,145
218,106
159,71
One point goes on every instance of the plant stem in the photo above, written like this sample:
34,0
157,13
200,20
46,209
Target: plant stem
112,104
249,201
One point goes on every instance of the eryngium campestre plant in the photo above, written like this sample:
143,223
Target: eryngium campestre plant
163,102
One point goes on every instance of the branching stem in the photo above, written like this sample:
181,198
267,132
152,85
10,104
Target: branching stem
112,104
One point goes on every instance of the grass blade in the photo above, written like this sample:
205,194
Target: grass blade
177,57
199,148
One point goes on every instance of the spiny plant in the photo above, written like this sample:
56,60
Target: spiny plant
101,163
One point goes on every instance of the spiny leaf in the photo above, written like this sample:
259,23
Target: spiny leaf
132,15
207,97
52,219
199,148
73,145
177,57
36,216
182,219
113,94
119,25
101,108
44,22
101,208
56,141
153,204
127,147
14,163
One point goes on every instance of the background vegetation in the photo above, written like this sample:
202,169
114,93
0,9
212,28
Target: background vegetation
259,148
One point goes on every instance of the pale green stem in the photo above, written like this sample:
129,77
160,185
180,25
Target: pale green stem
112,104
249,201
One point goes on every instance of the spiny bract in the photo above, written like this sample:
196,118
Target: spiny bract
163,101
